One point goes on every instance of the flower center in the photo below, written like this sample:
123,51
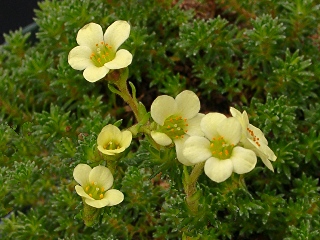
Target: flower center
102,54
220,149
111,146
253,137
94,191
175,127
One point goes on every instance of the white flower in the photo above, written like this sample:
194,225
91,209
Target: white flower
177,119
97,52
218,148
112,141
94,185
254,139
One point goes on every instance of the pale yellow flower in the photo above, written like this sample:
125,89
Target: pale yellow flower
254,139
218,148
177,119
95,184
112,141
98,53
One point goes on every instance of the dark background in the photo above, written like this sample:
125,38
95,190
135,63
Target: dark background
15,14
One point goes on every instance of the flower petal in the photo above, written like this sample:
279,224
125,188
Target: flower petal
80,191
235,113
101,176
188,104
97,203
117,33
218,170
259,134
114,197
161,138
210,123
81,173
163,107
109,133
194,128
244,160
266,162
90,35
93,73
122,59
126,139
197,149
179,151
230,129
79,57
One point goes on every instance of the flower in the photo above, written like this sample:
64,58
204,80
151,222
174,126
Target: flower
112,141
97,52
94,185
218,148
177,119
254,139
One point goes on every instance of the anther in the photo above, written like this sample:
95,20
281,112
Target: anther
101,196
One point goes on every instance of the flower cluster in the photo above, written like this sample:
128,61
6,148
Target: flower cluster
226,145
222,144
94,183
97,54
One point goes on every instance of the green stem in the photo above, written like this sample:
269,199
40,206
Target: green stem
90,214
190,182
119,79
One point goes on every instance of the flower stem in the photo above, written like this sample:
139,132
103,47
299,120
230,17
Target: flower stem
190,181
90,214
119,79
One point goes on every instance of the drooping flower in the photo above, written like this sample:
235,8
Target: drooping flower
218,148
177,119
254,139
97,52
112,141
95,184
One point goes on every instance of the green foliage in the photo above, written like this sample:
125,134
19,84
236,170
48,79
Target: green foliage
260,56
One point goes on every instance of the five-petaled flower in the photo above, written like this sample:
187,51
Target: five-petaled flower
95,184
177,119
97,52
254,139
112,141
218,148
